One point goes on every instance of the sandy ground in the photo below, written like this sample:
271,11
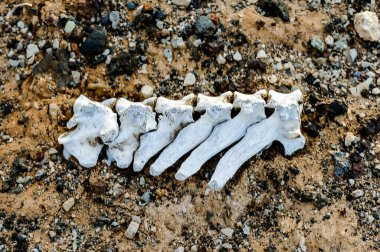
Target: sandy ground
281,208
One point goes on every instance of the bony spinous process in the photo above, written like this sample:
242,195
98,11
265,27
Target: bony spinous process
133,136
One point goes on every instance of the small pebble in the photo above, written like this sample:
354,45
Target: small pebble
132,230
168,54
237,56
68,204
367,26
357,193
69,27
220,59
318,44
227,232
31,50
189,80
261,54
131,6
147,91
184,3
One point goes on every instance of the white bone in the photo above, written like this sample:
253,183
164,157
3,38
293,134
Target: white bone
136,118
283,126
93,120
174,116
227,133
217,110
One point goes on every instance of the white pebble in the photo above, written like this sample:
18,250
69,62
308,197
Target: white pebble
189,80
31,50
69,27
261,54
68,204
220,59
147,91
237,56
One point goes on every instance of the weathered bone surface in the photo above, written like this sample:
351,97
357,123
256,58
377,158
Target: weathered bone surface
136,118
139,137
93,120
283,126
175,114
227,133
217,110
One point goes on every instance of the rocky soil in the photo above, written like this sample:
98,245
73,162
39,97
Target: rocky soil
326,197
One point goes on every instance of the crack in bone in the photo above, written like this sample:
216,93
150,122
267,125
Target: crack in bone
93,120
217,110
174,116
283,126
251,112
136,118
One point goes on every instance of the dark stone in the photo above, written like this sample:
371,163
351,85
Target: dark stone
310,79
60,186
321,201
197,90
294,170
211,49
304,196
260,24
257,65
358,169
6,107
313,99
123,63
57,64
95,43
274,8
70,165
204,26
355,157
240,39
341,164
22,242
371,127
19,165
311,129
235,22
143,20
333,109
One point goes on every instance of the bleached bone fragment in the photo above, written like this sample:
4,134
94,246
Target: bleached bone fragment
175,114
217,110
136,118
283,126
251,111
94,120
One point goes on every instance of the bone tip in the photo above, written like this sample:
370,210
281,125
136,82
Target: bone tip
138,166
214,185
154,171
180,176
87,164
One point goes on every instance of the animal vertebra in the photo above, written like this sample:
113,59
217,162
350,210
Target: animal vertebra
139,137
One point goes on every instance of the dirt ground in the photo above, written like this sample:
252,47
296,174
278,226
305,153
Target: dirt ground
273,203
